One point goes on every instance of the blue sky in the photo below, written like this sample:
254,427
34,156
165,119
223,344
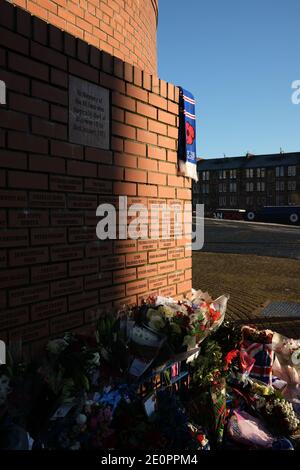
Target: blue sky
239,58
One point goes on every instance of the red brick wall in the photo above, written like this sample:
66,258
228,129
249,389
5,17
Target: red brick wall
54,273
123,28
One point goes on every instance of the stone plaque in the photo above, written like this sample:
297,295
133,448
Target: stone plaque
88,113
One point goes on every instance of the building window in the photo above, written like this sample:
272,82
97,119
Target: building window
260,172
222,174
249,201
279,171
222,188
292,185
233,174
280,200
232,187
232,201
205,175
222,201
261,186
249,187
249,173
292,170
279,185
205,188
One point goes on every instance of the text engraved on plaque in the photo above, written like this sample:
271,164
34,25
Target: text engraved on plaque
88,113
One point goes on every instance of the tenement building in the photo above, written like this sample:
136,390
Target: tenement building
248,182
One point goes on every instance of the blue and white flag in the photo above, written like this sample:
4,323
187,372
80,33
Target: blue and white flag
187,158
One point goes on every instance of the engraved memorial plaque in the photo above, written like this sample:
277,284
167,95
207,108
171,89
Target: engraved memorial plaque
88,113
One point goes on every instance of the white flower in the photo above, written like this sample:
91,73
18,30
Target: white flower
156,322
95,360
56,346
4,388
81,419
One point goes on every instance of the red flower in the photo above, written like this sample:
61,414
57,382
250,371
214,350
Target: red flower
229,357
190,133
215,315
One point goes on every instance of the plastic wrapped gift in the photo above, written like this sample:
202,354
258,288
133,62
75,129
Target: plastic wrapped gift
258,345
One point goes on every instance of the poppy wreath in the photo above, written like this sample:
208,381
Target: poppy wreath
190,133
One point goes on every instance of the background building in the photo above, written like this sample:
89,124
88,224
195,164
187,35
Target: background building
248,182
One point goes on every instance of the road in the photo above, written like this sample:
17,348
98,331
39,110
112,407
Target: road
226,236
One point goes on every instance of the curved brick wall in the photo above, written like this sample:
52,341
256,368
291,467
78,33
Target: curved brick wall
124,28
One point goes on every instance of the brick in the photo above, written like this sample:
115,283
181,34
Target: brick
66,252
124,246
7,17
82,201
65,149
82,47
169,168
83,300
123,130
70,45
136,287
84,71
78,168
158,282
124,102
157,178
14,317
124,275
158,101
21,257
147,190
173,108
166,142
98,155
2,218
83,267
169,291
147,81
59,78
128,189
175,181
95,281
97,186
117,114
185,263
157,127
28,105
29,333
158,256
66,287
66,218
147,164
13,159
147,271
65,183
112,83
112,293
14,277
28,295
30,218
65,322
136,120
138,176
183,287
184,194
146,110
128,72
48,236
15,82
40,30
22,179
157,153
147,245
146,137
112,262
82,234
136,92
14,237
136,259
48,128
167,267
49,93
13,120
48,272
28,66
166,244
27,142
48,309
167,118
43,199
98,249
59,113
23,23
14,41
47,164
172,156
176,277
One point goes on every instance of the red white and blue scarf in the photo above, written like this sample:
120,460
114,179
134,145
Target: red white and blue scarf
187,158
